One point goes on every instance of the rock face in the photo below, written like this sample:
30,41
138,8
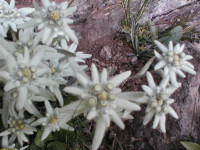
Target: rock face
98,23
168,13
187,14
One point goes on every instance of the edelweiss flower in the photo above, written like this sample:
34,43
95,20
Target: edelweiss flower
18,128
102,99
174,61
158,104
24,74
51,19
53,121
7,146
11,16
58,72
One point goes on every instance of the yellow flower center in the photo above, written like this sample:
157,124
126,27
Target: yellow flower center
103,95
6,148
18,125
54,15
160,102
53,70
27,73
53,120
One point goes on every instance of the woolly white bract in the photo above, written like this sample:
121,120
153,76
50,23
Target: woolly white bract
60,70
174,61
53,121
18,128
25,74
158,104
10,16
102,100
51,19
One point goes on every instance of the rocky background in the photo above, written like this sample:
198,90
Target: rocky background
98,26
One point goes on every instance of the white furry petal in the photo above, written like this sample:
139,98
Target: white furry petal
95,74
116,119
150,80
162,123
118,79
99,134
160,64
148,117
156,121
172,112
162,47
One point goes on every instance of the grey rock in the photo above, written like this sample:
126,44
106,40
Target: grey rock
105,53
134,60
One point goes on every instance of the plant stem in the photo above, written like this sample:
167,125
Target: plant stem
13,34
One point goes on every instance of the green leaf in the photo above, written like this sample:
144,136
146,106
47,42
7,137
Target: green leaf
153,29
176,34
61,135
56,40
145,68
56,146
190,145
65,52
125,22
136,44
164,39
34,147
134,37
38,142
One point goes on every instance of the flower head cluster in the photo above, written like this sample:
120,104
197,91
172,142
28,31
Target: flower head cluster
52,19
174,61
33,72
18,128
23,75
102,100
28,66
53,121
10,16
59,72
159,102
